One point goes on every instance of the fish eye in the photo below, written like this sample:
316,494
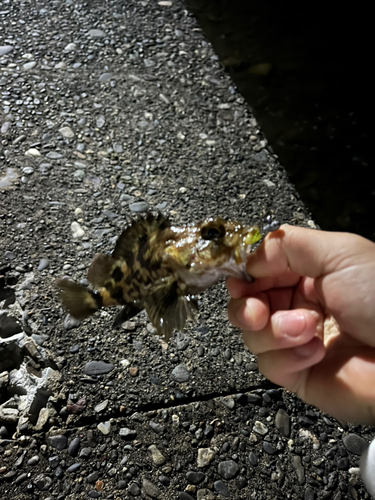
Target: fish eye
210,232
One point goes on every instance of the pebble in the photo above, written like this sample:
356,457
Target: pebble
299,469
43,264
32,152
29,65
221,488
195,477
134,490
253,459
205,494
228,469
74,446
97,368
73,468
66,132
309,494
183,495
70,47
205,456
70,322
59,442
157,428
355,444
104,427
139,206
53,462
180,374
5,49
85,452
43,482
268,448
104,78
21,478
95,33
53,155
101,406
260,428
77,230
157,457
33,460
282,422
150,489
5,127
127,433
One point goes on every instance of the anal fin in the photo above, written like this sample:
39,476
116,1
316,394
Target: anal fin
126,313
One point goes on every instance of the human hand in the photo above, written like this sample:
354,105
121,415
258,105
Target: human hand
310,317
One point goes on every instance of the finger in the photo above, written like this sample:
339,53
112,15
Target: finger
289,368
238,288
306,252
250,312
285,330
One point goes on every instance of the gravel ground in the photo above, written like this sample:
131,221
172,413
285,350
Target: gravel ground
110,109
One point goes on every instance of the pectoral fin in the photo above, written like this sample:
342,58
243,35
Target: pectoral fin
168,308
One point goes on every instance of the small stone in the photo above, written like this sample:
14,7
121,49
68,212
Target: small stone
355,444
228,469
282,422
157,457
157,428
85,452
150,489
70,322
104,427
53,155
42,482
100,121
93,477
33,460
309,494
299,469
260,428
29,65
139,207
268,448
70,47
95,33
53,462
180,374
127,433
74,446
43,264
101,406
73,468
5,127
134,490
221,489
133,371
183,495
253,459
343,463
97,368
5,49
77,230
205,456
195,477
60,65
66,132
32,152
105,77
205,494
59,442
21,478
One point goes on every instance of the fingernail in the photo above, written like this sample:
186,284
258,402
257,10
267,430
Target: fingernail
292,323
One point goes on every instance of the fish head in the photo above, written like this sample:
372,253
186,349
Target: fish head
203,252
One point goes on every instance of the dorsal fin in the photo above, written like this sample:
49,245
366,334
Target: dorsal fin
100,269
130,239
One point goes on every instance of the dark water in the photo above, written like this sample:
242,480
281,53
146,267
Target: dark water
306,72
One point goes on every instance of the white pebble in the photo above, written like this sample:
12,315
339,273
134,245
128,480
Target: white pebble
77,230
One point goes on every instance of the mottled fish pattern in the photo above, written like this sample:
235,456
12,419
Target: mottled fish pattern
160,268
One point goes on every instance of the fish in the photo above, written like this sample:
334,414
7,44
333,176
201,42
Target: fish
161,268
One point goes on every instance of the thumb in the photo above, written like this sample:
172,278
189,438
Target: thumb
306,252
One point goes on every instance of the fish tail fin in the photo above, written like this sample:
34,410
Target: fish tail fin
78,300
